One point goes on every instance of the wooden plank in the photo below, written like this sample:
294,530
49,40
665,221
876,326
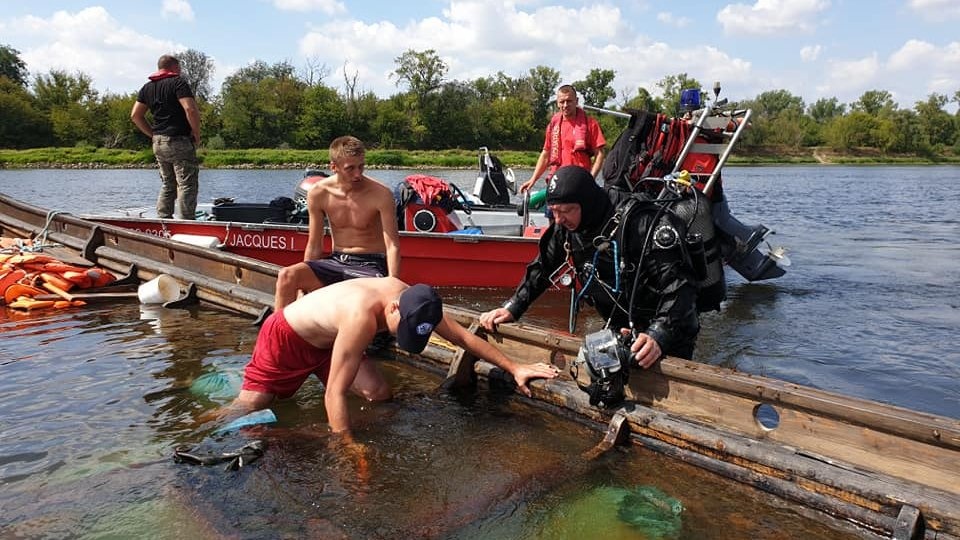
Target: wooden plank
925,427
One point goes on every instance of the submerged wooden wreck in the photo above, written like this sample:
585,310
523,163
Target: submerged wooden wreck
889,471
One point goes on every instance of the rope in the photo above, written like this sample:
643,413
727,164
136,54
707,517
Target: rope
40,241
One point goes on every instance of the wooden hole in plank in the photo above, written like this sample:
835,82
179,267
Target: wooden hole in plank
766,416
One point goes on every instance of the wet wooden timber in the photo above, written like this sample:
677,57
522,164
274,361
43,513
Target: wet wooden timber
891,471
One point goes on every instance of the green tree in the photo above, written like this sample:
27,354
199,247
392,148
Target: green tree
361,115
671,87
197,68
485,89
778,119
11,66
69,101
642,101
423,71
902,132
118,131
512,123
210,122
445,117
507,86
322,118
596,88
392,124
261,106
773,103
825,109
861,129
59,88
875,102
21,124
544,82
936,125
786,129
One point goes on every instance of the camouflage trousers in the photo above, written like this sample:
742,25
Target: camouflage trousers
179,175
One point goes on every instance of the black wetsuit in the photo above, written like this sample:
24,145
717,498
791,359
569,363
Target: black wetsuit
664,294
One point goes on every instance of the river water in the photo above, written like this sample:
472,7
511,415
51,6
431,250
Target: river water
93,400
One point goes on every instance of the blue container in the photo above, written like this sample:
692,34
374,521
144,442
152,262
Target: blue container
263,416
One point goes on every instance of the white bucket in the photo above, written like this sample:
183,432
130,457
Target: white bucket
159,290
211,242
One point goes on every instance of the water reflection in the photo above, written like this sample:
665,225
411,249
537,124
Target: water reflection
92,416
93,400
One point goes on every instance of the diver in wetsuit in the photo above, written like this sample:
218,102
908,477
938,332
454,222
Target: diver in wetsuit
632,262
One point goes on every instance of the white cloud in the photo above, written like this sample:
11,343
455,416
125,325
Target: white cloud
936,10
478,39
330,7
178,8
910,73
64,41
810,53
771,17
847,76
930,68
672,20
913,53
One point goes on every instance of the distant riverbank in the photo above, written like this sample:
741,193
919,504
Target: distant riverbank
260,158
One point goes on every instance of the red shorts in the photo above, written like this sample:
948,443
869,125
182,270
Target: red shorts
282,360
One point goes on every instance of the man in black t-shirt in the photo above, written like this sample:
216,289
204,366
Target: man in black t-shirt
175,133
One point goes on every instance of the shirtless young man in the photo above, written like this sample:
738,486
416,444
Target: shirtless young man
363,227
327,331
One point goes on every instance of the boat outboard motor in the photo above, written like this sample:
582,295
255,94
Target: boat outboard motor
741,248
310,177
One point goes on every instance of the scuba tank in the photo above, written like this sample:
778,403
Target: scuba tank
703,246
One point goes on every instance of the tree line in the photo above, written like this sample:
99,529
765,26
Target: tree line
278,106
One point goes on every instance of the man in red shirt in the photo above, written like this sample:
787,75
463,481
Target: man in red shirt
572,138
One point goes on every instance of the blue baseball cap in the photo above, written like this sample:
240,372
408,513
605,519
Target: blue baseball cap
421,310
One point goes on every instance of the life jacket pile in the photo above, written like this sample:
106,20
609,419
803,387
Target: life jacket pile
25,276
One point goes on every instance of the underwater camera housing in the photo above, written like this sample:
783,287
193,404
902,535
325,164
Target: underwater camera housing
607,356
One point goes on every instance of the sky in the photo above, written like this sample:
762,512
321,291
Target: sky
811,48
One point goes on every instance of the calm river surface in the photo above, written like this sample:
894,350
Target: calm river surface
93,401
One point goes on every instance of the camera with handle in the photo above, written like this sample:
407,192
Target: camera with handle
607,357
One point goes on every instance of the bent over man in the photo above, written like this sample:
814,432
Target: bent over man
326,332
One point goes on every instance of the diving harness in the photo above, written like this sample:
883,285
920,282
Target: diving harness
606,353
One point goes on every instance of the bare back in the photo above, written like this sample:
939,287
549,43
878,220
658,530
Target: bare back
349,308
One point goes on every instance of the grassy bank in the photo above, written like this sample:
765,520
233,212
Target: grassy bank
88,157
253,158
